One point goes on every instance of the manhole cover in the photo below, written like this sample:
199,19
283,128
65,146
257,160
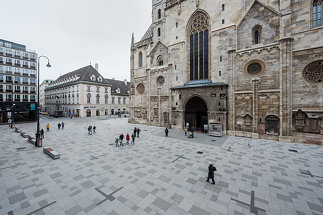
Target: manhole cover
199,152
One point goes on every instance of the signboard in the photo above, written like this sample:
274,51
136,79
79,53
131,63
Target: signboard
102,109
215,129
32,107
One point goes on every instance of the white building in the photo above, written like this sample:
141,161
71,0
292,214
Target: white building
81,93
42,88
120,96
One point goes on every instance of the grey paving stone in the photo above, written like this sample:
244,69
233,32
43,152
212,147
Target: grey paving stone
73,210
162,204
177,198
17,198
142,193
87,184
196,210
40,192
11,189
315,207
24,205
284,198
55,175
164,179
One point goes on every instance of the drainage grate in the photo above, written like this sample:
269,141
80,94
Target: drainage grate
292,150
21,148
199,152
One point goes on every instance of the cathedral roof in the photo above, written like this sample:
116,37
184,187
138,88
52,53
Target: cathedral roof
148,34
199,83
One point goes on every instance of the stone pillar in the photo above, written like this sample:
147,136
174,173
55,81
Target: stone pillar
231,99
255,86
159,108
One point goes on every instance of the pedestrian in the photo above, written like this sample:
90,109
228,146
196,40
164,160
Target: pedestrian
62,125
94,132
135,131
89,130
133,136
47,126
121,139
166,132
127,138
185,129
138,131
42,133
117,142
211,173
59,126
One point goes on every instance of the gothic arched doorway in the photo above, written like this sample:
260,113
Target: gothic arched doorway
196,113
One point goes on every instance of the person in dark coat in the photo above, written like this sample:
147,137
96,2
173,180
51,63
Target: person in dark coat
59,126
42,133
166,132
62,125
135,131
94,132
138,132
211,173
121,139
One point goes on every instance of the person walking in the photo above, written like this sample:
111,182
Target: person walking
47,126
138,132
94,132
166,132
121,139
62,125
89,130
211,173
42,133
59,126
135,131
133,136
127,138
117,142
185,129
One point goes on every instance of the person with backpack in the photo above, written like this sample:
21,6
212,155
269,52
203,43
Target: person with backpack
133,136
121,139
211,173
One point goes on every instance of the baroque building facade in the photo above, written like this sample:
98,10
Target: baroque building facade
253,66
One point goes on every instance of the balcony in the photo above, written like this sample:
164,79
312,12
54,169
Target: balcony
8,72
1,90
33,59
17,73
8,54
17,56
8,63
32,83
25,91
24,82
17,91
9,100
17,100
25,66
33,75
1,62
25,74
8,90
32,100
33,91
25,100
17,64
8,81
25,58
1,53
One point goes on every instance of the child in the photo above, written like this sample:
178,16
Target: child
127,138
47,126
117,142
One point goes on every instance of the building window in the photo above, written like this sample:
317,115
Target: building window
220,73
97,89
160,61
140,88
159,14
98,99
119,100
254,67
124,100
317,13
1,97
223,7
220,58
89,98
222,21
106,97
140,59
158,32
199,46
256,34
8,97
89,88
176,24
113,100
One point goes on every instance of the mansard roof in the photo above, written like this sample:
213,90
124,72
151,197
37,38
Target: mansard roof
84,74
121,85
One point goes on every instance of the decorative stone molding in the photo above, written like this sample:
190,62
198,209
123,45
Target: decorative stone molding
267,48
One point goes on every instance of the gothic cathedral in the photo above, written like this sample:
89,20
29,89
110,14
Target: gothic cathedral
250,68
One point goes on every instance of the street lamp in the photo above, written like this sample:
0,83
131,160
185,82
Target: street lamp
38,133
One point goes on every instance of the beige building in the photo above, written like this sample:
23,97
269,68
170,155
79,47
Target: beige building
255,67
42,88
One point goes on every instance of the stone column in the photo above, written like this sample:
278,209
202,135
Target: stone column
159,108
231,98
255,85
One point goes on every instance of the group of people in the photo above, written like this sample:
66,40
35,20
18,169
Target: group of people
60,125
91,130
119,141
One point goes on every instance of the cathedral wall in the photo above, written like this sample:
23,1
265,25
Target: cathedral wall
306,95
269,78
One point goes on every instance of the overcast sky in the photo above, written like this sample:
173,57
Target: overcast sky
73,33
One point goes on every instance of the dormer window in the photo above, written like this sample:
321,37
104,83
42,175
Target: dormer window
92,78
99,79
118,90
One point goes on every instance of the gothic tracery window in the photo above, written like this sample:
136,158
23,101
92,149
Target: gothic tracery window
313,72
160,60
317,13
140,59
199,46
159,14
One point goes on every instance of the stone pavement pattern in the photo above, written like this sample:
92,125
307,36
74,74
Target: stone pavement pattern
157,175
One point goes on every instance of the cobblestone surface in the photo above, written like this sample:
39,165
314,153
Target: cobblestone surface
157,175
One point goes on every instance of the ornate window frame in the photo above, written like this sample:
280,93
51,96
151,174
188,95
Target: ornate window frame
160,80
160,60
256,39
312,10
319,72
140,88
140,59
263,67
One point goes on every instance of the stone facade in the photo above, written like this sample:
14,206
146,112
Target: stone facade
256,65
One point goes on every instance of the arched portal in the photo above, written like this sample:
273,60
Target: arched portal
196,113
88,113
97,112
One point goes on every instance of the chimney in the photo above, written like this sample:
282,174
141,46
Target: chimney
125,82
97,67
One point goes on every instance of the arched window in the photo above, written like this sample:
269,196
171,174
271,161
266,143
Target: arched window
140,59
159,14
256,34
160,61
158,32
199,46
317,13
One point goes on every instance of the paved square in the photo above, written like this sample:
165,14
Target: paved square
158,175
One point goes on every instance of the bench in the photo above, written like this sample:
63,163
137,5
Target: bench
24,135
53,154
32,140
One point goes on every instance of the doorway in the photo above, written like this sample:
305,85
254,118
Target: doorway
196,113
88,113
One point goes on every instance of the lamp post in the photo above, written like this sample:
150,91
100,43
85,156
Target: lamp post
38,133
